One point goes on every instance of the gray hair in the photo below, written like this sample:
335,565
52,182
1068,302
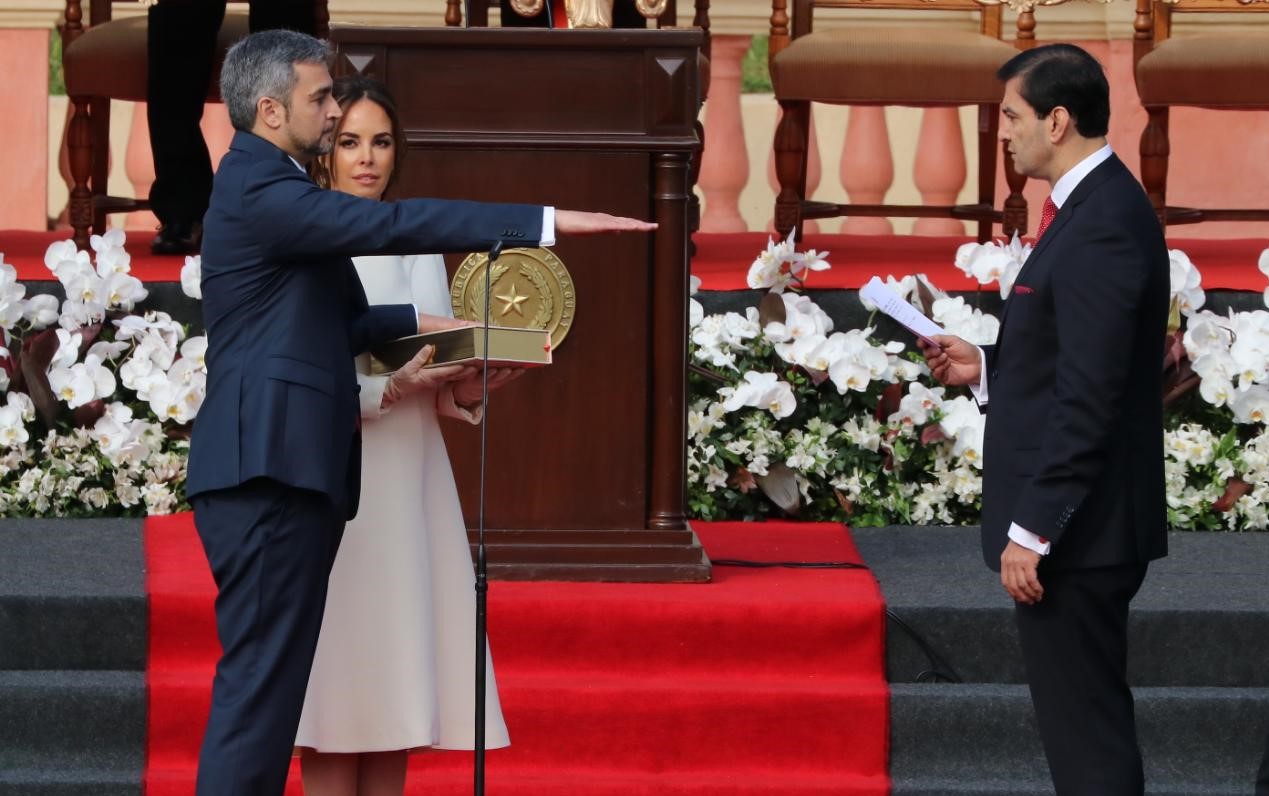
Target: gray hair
262,65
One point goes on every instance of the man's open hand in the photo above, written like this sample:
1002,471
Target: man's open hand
579,222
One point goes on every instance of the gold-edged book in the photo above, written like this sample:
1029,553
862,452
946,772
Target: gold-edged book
509,347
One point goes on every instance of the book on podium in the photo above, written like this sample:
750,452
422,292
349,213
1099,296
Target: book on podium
509,347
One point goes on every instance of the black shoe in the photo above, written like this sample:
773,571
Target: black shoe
178,238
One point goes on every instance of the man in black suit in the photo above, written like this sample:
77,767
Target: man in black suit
1073,489
181,45
275,459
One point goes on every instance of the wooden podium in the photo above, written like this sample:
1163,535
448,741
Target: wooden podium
586,472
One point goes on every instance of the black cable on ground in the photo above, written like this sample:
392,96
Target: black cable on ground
737,562
940,670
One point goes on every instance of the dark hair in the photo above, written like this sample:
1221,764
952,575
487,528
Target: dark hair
1063,75
348,91
263,65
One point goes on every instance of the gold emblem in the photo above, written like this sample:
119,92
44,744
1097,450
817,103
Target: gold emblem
531,289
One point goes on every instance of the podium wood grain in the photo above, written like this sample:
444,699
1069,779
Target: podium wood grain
586,468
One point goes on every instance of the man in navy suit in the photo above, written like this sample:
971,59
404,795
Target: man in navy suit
1073,494
275,459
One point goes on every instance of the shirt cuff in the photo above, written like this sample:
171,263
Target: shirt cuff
1036,544
979,390
548,227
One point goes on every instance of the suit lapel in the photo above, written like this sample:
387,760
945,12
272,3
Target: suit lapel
1090,183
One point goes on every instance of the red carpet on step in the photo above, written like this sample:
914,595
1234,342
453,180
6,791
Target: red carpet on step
722,260
763,682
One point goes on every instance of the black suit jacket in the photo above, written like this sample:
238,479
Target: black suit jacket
1073,447
285,314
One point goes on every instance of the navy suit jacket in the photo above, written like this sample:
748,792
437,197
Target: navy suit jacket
1073,448
285,314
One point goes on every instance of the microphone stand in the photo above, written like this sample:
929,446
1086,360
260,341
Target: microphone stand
482,579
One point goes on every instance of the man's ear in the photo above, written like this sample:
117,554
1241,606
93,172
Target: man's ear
1059,123
271,112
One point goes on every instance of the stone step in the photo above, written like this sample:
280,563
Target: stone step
72,595
71,731
1196,608
983,738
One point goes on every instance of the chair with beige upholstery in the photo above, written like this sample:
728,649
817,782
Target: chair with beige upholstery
1220,71
917,65
106,60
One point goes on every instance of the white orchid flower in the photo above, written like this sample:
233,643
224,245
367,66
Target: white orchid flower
695,313
1252,405
762,390
41,311
1207,332
915,407
113,239
67,349
129,327
192,274
1216,391
693,281
89,290
13,433
107,350
73,386
964,423
12,307
848,373
195,348
22,403
60,252
113,261
1185,282
122,290
103,378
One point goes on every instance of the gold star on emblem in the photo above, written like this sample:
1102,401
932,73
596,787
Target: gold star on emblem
511,302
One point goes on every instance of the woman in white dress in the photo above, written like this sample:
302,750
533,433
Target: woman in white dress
394,668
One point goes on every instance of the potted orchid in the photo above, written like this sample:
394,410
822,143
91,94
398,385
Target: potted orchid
790,416
96,399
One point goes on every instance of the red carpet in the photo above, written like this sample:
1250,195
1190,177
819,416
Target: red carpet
763,682
722,260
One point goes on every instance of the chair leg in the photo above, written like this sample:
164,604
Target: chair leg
790,155
1155,149
1015,220
80,155
99,129
988,125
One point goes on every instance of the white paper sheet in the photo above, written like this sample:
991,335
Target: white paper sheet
906,315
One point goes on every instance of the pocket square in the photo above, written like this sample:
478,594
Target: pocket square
1023,289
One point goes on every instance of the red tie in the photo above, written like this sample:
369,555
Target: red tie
1046,217
559,17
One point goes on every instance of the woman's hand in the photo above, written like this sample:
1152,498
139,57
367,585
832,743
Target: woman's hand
467,391
413,376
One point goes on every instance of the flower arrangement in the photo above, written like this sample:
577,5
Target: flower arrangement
96,399
789,416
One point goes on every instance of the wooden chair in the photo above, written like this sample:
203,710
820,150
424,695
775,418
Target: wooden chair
912,66
107,60
1217,71
480,14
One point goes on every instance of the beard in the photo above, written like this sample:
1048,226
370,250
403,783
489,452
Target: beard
313,147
